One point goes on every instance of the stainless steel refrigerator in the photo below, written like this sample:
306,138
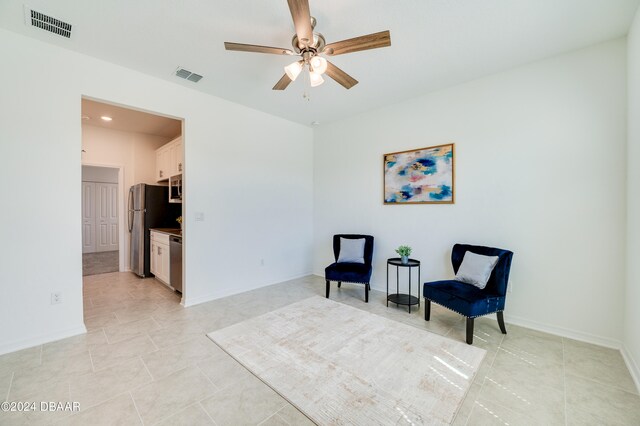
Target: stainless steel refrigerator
149,207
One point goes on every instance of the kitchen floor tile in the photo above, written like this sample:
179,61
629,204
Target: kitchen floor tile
58,393
172,358
95,388
73,345
118,333
589,402
533,346
29,381
601,364
25,358
222,370
248,401
178,333
488,413
109,354
509,384
118,411
5,383
292,416
162,398
99,321
467,405
190,416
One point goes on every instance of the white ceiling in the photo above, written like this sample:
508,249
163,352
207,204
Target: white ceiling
435,43
129,120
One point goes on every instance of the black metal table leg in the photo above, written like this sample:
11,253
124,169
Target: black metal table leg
409,288
397,282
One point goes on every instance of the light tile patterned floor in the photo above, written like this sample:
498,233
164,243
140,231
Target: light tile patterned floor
146,360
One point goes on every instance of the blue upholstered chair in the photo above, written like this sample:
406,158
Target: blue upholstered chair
359,273
467,299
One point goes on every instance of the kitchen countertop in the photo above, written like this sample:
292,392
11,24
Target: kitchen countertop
176,232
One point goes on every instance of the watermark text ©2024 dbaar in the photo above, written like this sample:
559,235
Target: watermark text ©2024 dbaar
42,406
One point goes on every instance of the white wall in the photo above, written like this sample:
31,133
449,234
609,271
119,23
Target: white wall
135,153
99,174
632,296
540,170
248,172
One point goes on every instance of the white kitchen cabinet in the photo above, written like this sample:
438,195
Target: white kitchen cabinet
178,159
169,160
163,163
160,262
153,257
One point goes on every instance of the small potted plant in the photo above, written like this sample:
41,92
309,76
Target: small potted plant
179,220
404,252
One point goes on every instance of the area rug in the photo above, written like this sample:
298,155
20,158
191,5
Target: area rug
340,365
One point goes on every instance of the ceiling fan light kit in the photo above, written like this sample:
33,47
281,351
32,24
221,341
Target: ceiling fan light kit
310,45
293,70
318,64
315,79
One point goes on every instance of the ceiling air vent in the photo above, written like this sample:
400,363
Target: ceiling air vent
188,75
47,23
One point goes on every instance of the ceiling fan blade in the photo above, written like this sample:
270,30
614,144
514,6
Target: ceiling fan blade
340,76
282,83
366,42
302,21
256,48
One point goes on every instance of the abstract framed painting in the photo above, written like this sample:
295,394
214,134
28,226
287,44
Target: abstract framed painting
420,176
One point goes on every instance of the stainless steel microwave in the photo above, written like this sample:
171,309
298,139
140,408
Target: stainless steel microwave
175,189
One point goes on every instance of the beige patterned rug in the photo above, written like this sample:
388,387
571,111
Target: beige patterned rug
340,365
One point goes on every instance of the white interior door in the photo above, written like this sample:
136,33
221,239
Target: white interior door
106,216
88,217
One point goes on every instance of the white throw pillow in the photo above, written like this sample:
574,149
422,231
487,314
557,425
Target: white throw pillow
476,269
351,250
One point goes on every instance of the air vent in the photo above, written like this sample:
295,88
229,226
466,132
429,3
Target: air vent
188,75
47,23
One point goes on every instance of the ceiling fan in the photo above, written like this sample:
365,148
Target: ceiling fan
309,45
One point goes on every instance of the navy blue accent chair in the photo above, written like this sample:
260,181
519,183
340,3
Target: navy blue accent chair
467,299
359,273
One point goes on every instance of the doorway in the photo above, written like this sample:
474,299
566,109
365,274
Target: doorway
142,153
100,220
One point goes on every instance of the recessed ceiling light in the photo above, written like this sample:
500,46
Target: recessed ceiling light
315,123
106,118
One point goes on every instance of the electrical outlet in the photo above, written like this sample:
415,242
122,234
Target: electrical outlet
262,262
199,216
56,298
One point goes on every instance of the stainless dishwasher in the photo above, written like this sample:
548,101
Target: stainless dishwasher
175,259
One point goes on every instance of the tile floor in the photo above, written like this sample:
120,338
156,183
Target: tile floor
146,360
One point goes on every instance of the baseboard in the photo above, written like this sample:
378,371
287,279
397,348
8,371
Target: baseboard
558,331
632,366
17,345
561,331
230,292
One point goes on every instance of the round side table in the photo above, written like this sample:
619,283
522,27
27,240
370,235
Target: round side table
403,298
